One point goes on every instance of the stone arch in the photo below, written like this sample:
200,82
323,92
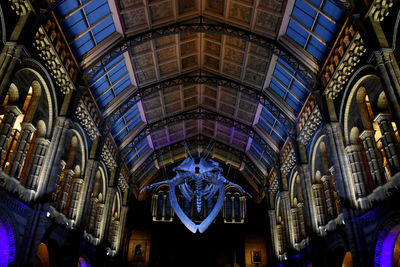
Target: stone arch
295,189
42,102
387,243
395,31
353,103
7,241
315,154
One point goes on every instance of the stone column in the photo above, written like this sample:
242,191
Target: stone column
319,204
359,175
281,239
113,234
389,141
98,219
7,125
328,191
65,185
20,151
41,146
300,206
296,225
73,202
92,214
374,160
11,54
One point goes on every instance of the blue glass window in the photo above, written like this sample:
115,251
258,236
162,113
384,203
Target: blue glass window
85,26
288,85
313,25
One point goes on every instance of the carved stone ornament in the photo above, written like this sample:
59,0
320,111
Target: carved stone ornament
21,7
380,9
52,61
198,179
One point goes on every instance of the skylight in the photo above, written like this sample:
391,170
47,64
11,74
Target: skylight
85,23
314,25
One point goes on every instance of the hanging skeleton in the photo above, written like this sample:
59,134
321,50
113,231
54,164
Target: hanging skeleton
208,180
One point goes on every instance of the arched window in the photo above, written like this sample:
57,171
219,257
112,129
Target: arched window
234,208
161,205
24,128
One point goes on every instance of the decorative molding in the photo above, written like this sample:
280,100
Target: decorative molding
342,64
21,7
310,127
122,183
380,9
59,66
86,121
108,158
289,162
13,186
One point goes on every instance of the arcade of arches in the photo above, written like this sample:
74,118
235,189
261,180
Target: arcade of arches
295,102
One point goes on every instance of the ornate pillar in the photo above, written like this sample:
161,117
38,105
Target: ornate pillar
20,151
300,207
281,239
90,176
358,171
389,141
73,202
294,212
319,204
375,164
272,221
65,185
98,219
7,125
41,146
92,215
113,234
330,203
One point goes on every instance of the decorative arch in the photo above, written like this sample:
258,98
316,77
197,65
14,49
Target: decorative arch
295,188
386,243
351,97
395,31
7,241
41,76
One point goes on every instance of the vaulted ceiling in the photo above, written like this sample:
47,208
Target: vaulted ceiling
168,72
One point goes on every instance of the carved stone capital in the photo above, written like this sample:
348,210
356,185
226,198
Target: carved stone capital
21,7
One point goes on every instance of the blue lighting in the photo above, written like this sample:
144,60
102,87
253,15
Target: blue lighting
7,243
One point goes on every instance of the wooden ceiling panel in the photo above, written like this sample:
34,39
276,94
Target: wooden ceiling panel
227,56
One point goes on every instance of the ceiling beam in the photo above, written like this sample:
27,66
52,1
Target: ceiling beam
198,114
276,106
200,25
